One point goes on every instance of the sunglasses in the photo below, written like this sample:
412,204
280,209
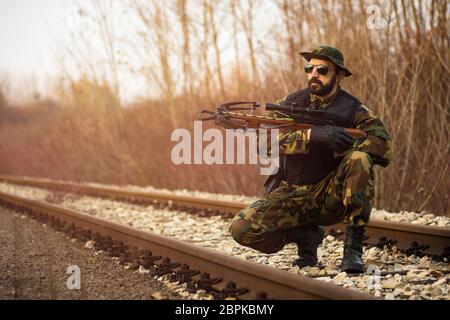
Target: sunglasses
321,69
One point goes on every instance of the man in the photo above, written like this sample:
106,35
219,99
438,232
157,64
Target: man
327,175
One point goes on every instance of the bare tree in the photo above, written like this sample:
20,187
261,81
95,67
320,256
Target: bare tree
182,11
246,19
105,20
212,7
237,62
156,38
204,50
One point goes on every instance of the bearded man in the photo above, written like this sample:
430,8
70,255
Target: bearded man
326,175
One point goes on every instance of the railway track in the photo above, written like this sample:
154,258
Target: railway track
239,278
415,238
202,269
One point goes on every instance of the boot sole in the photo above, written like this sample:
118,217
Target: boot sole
353,268
304,264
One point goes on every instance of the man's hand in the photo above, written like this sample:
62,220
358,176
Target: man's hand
333,137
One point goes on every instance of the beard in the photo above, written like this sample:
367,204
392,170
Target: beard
322,90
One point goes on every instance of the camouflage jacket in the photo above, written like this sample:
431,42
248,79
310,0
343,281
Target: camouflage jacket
378,143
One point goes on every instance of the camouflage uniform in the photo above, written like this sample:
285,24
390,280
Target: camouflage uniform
344,195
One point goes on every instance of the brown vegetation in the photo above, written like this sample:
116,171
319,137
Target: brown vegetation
401,72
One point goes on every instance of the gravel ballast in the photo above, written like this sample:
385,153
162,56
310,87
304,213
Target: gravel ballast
421,218
400,276
34,263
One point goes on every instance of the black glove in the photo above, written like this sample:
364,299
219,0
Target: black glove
333,137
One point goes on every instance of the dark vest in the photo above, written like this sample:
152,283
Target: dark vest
310,168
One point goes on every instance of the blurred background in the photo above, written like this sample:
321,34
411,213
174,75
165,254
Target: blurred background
92,90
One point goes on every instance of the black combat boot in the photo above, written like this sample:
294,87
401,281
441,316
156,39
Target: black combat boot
308,239
353,246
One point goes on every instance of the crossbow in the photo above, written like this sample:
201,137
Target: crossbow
290,119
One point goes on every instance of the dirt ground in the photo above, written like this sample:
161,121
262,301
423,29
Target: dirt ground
37,262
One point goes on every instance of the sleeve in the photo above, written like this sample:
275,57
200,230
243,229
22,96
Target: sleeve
292,142
378,143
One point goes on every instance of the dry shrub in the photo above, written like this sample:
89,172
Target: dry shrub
401,72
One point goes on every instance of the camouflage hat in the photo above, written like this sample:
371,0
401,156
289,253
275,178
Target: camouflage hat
327,53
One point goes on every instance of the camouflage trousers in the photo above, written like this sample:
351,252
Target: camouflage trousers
344,195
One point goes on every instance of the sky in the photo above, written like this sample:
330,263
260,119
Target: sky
29,35
33,33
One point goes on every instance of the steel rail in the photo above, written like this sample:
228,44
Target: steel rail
437,238
277,284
